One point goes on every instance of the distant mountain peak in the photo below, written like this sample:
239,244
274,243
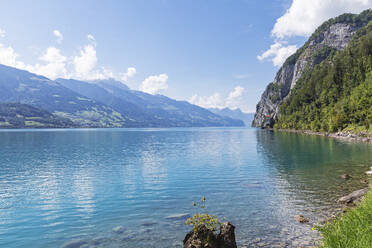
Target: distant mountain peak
235,114
110,82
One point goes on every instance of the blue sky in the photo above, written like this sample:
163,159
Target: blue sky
214,53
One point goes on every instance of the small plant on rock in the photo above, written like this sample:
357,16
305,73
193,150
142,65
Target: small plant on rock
211,222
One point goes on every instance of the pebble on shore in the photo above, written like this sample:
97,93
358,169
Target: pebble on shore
300,218
369,172
345,176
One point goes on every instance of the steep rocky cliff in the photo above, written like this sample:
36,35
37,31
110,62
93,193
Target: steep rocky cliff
331,36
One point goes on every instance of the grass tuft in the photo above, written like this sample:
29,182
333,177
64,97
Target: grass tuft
352,230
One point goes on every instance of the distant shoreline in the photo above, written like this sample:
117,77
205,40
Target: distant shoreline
347,136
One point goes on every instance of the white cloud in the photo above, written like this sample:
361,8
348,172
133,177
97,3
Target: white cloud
155,84
235,97
91,39
2,33
54,62
85,62
213,101
59,36
233,100
278,53
303,16
301,19
9,57
53,55
131,72
55,66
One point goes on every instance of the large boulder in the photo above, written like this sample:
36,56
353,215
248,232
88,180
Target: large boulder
205,238
227,235
353,197
300,218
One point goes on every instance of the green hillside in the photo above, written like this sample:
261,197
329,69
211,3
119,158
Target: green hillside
336,94
17,115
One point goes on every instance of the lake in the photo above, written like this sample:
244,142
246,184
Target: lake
135,187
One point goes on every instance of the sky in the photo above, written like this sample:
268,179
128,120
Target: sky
213,53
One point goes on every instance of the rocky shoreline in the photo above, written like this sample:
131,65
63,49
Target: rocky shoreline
351,200
205,238
346,136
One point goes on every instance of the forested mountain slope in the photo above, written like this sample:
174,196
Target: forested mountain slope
327,84
336,94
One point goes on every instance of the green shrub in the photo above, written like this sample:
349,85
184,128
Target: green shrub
211,222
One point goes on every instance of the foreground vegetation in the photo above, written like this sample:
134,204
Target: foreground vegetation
211,222
352,230
336,94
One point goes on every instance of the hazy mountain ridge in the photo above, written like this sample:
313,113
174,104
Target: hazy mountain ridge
102,103
235,114
146,110
28,88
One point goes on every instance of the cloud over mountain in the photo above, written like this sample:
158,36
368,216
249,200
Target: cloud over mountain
301,19
155,84
233,100
53,64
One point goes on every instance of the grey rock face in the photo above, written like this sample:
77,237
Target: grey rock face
337,36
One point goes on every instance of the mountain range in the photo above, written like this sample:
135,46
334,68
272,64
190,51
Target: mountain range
235,114
101,103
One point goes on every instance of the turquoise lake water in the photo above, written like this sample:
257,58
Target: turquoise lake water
61,186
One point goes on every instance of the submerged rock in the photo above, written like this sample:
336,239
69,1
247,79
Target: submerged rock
74,244
365,181
118,229
205,238
147,224
178,216
354,196
345,176
300,218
